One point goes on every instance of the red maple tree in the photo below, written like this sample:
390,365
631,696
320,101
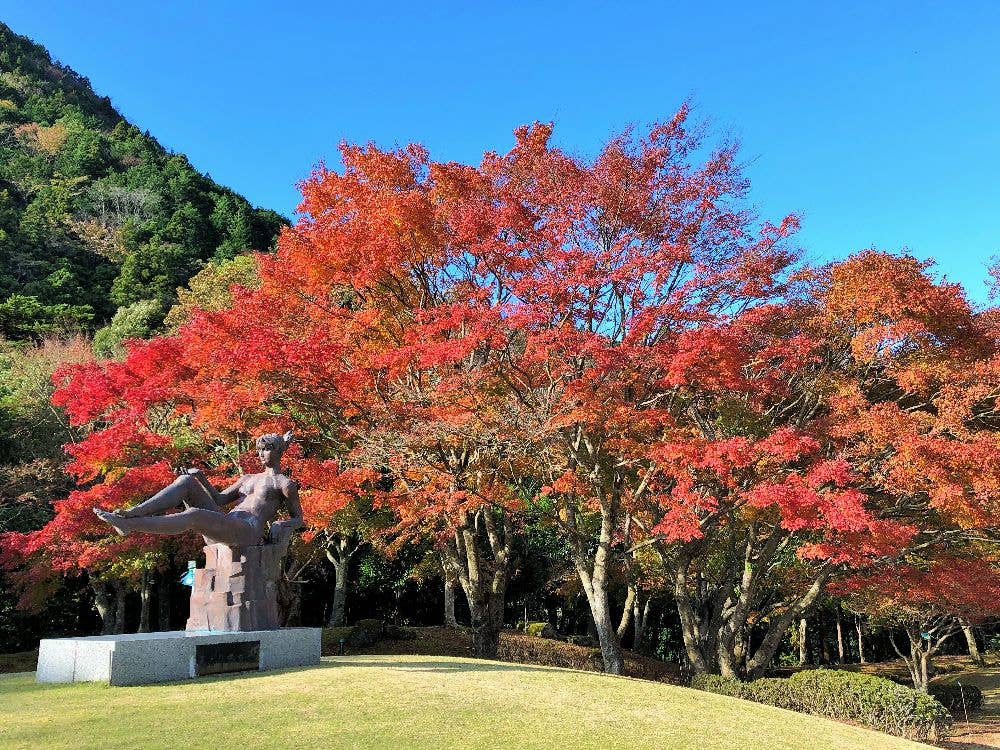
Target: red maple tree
618,343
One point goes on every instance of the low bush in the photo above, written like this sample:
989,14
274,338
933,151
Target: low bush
398,633
540,630
958,698
332,637
21,661
361,633
514,647
649,668
873,701
366,632
527,649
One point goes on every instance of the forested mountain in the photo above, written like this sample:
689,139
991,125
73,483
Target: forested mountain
99,227
95,214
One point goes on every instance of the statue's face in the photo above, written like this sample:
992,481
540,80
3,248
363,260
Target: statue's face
269,455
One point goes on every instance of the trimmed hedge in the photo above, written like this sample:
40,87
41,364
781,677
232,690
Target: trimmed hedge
362,633
399,633
514,647
958,698
873,701
528,649
366,632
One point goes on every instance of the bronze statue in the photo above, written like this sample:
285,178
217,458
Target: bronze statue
259,498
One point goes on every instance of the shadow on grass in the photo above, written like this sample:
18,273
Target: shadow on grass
458,666
24,681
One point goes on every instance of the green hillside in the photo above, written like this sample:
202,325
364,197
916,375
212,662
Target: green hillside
410,702
94,213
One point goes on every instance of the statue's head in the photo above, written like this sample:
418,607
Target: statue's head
271,446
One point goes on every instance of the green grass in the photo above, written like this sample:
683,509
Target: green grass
403,702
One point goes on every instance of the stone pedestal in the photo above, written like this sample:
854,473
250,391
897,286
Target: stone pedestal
237,590
144,658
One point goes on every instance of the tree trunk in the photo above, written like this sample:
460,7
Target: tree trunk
478,554
925,639
607,635
146,602
840,637
120,592
925,670
593,572
630,602
105,606
641,617
824,641
486,624
340,549
164,596
293,605
861,639
449,601
970,640
337,611
803,642
716,613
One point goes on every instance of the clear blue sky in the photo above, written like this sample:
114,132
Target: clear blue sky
878,122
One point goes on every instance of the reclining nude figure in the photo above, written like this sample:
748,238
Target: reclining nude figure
259,498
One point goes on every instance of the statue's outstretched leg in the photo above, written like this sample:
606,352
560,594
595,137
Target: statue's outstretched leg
185,490
220,527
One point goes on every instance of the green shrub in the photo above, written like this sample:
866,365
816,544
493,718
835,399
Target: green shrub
361,633
540,630
331,638
958,698
397,633
873,701
714,683
774,691
366,632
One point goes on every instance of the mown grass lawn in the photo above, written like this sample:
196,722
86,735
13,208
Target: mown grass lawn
403,702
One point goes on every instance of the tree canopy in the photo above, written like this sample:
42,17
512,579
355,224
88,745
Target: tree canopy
617,349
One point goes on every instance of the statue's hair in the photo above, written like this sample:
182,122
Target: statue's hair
275,441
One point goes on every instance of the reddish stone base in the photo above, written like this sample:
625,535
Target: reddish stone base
237,589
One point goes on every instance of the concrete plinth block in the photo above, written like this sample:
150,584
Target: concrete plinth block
144,658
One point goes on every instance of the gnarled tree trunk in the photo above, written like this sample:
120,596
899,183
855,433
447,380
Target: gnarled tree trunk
478,554
925,639
715,613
